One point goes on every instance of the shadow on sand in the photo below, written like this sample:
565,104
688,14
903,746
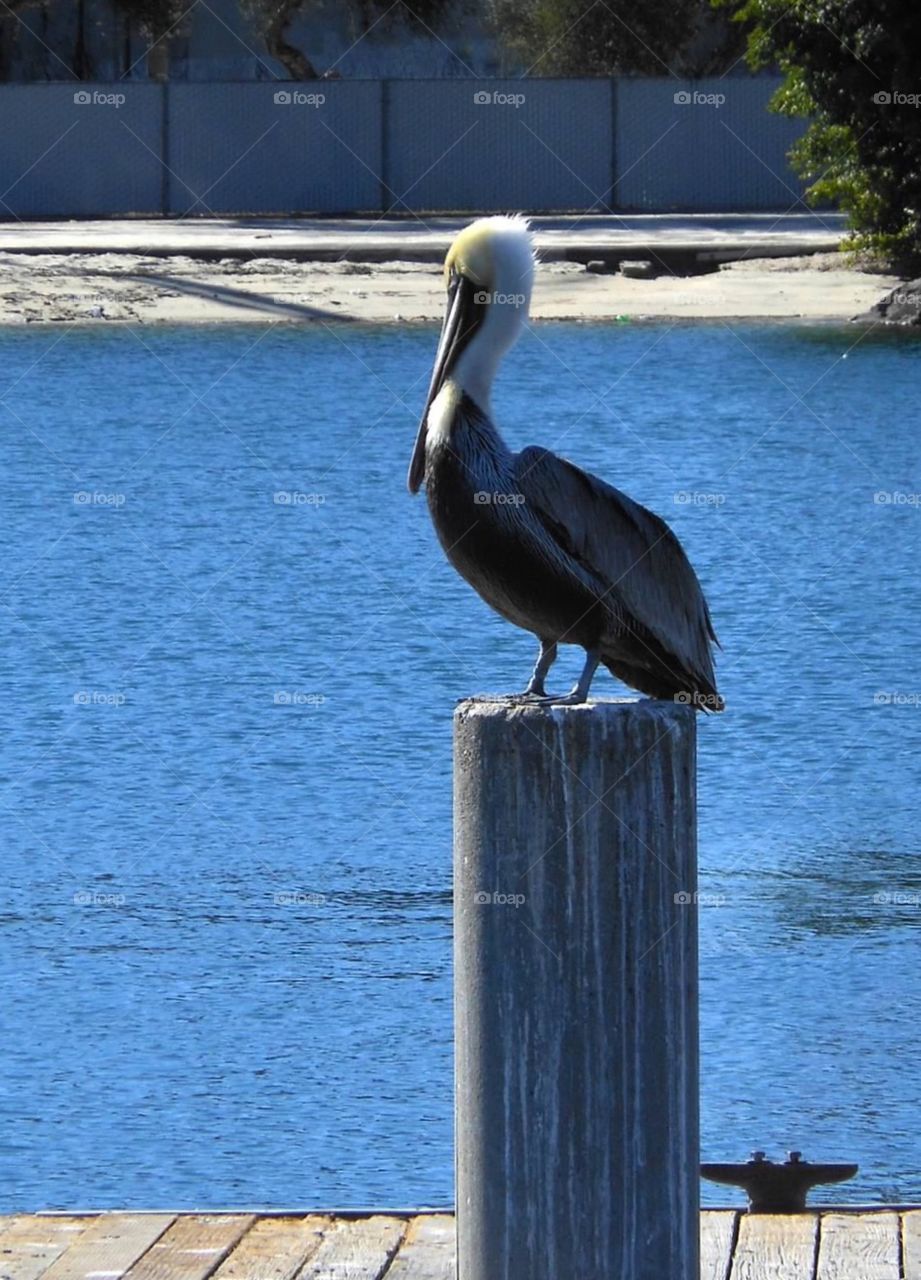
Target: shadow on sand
230,297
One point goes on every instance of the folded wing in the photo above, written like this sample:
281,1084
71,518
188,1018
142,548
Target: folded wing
633,553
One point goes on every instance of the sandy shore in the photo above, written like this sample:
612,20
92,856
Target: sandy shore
111,287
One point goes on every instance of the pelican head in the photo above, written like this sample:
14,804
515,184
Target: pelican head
489,272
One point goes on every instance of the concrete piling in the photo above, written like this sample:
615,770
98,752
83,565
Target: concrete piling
576,991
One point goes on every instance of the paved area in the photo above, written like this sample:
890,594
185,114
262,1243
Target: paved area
574,238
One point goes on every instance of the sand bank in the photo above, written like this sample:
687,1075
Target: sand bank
107,288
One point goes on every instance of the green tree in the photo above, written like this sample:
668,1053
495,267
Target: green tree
613,37
158,21
273,19
852,67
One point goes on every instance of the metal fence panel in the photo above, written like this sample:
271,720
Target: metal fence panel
279,147
499,144
83,150
80,150
704,145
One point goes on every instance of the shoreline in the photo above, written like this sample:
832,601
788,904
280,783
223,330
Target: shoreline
123,288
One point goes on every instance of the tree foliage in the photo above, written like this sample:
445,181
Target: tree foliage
153,17
852,66
613,37
158,21
274,19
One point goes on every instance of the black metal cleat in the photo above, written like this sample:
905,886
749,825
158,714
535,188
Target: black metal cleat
777,1188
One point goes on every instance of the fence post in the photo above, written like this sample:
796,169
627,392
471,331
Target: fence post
386,195
166,186
611,201
576,992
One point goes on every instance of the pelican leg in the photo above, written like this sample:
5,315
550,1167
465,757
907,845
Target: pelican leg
579,692
545,660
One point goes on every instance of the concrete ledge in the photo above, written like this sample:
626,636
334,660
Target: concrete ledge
716,237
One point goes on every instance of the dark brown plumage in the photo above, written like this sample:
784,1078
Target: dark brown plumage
552,548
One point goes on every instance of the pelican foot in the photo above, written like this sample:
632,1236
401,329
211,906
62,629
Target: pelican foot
571,699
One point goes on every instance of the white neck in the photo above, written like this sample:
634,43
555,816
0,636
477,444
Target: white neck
506,316
475,371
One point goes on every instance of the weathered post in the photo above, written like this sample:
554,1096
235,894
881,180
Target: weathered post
576,991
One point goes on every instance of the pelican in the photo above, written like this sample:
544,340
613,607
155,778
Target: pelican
550,547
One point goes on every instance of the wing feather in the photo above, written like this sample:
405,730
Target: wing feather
631,550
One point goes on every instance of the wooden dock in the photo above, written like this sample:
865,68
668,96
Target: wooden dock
859,1244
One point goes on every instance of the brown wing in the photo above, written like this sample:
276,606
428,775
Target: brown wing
631,550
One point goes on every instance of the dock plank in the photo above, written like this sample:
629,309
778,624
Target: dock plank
820,1245
356,1249
858,1246
29,1245
275,1248
717,1232
911,1244
427,1252
775,1247
193,1247
109,1246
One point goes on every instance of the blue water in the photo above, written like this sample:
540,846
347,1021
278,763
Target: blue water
225,766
